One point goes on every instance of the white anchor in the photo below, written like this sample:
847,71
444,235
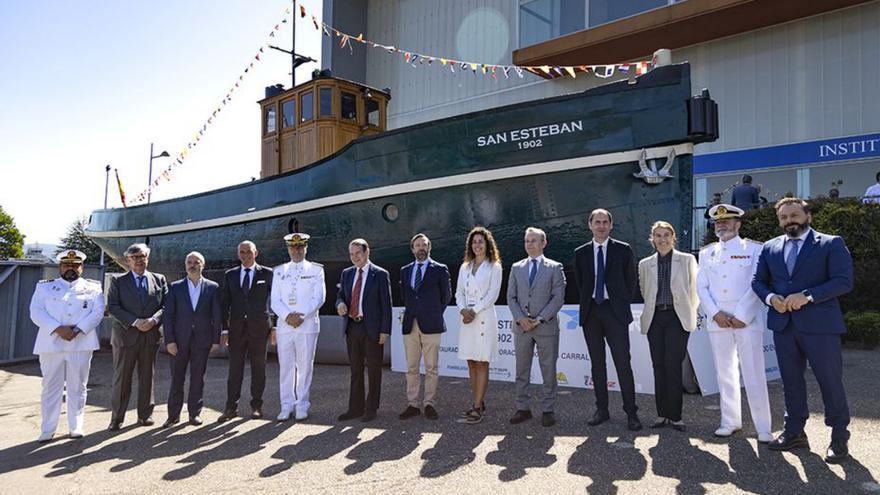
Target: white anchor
650,174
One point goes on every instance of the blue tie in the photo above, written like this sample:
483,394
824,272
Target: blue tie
533,272
791,259
600,277
418,280
142,288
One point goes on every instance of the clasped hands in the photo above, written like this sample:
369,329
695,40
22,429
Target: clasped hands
726,320
294,319
792,302
66,332
144,324
527,324
468,315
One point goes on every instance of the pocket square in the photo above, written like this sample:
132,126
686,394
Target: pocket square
261,282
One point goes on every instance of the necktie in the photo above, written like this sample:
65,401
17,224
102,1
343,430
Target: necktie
418,281
142,288
533,272
356,296
791,259
246,285
600,277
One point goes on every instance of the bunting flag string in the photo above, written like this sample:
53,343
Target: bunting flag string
165,175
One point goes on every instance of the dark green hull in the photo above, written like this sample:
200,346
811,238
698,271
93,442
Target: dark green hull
442,182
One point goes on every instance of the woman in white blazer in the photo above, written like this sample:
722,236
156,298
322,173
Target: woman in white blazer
668,281
479,284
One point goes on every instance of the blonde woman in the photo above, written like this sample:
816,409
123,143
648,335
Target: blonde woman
479,284
668,281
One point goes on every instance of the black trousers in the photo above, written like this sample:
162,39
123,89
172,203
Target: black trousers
188,355
140,356
243,347
668,343
603,326
362,348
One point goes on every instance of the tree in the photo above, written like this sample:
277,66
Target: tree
76,238
11,240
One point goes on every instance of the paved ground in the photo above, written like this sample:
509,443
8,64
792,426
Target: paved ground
421,456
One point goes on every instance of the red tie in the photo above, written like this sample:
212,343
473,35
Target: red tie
356,296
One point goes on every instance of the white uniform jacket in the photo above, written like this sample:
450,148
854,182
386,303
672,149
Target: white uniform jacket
58,303
724,282
298,288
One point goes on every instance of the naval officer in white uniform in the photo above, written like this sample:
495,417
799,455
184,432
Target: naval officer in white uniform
298,293
68,311
736,333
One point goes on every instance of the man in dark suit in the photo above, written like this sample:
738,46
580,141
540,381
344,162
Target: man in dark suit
244,302
745,196
605,274
135,301
192,330
365,297
426,291
800,275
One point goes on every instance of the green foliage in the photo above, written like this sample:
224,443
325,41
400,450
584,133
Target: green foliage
76,238
859,226
11,240
864,327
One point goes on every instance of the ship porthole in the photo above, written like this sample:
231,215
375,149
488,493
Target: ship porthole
390,212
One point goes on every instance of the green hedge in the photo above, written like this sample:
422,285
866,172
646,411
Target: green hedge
857,223
864,327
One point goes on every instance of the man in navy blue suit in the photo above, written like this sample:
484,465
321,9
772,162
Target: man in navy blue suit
426,291
192,328
364,296
800,275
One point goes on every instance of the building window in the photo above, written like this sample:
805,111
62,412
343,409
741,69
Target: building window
605,11
542,20
372,111
288,113
270,119
326,102
307,107
349,106
772,185
847,179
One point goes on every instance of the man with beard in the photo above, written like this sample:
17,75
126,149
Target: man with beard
800,275
736,333
426,291
68,311
135,302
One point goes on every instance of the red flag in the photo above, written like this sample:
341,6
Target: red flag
121,191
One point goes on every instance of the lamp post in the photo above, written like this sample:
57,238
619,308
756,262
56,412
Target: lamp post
106,186
150,183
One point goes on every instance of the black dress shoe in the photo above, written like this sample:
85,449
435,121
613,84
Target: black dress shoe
837,452
599,417
349,415
548,419
170,422
519,416
677,425
789,441
661,423
257,413
227,415
115,426
148,421
195,421
430,412
410,412
633,423
368,416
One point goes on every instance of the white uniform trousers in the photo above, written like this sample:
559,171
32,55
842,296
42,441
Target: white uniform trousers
735,351
57,368
296,360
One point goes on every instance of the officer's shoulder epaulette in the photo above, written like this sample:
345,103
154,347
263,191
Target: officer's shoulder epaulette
46,281
317,264
92,281
759,243
707,246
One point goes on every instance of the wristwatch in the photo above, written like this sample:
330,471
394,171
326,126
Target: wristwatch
540,319
808,294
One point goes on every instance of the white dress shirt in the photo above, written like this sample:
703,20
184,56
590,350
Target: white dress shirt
360,302
787,249
423,268
194,291
872,195
596,265
540,260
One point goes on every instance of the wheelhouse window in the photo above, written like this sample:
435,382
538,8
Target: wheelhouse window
605,11
307,107
372,111
542,20
269,121
288,113
349,105
325,99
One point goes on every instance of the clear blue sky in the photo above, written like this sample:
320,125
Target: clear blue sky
87,83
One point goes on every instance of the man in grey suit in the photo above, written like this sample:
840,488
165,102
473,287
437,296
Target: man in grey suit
535,293
135,301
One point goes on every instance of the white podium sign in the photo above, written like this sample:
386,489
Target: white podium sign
573,365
